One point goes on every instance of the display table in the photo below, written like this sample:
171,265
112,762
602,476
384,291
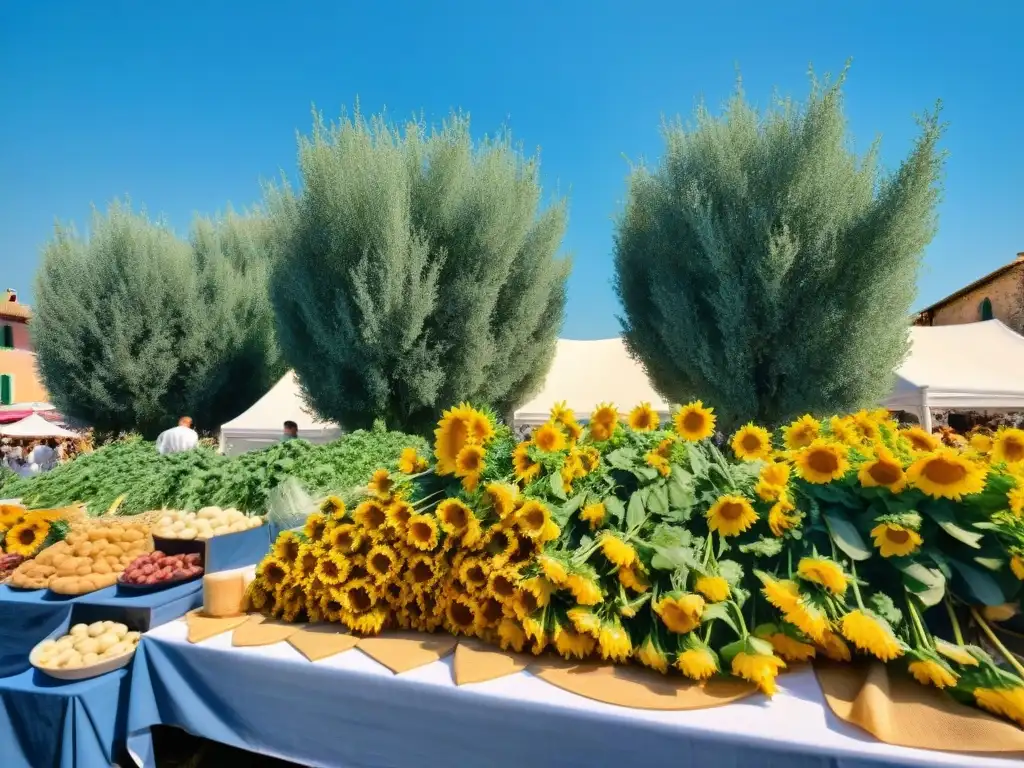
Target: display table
349,710
29,616
47,722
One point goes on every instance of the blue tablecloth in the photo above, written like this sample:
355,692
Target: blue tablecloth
349,711
47,723
29,616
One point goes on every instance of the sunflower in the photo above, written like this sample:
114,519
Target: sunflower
834,647
801,433
532,595
561,413
946,474
470,461
932,671
370,514
867,425
586,590
553,568
822,461
502,584
808,618
410,462
332,569
345,538
381,484
273,571
305,564
590,458
844,430
574,430
1006,702
571,644
694,422
634,579
473,573
369,623
605,415
714,588
759,668
454,516
871,635
490,611
316,525
658,462
584,620
1017,566
531,517
25,538
1008,446
613,642
652,655
286,548
11,515
526,468
781,516
895,540
643,418
751,443
457,427
358,595
680,611
593,514
500,542
398,513
827,573
790,648
920,440
463,615
420,572
698,662
783,594
775,474
501,498
882,470
421,532
511,636
982,442
616,550
731,515
381,561
549,438
1015,501
333,509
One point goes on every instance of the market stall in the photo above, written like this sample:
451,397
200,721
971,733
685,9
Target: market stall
969,367
262,424
35,427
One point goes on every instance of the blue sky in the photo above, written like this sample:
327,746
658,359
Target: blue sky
185,109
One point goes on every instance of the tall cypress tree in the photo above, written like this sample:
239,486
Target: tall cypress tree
765,268
415,270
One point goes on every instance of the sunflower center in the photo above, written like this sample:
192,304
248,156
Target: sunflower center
920,443
357,572
456,516
897,535
534,519
693,421
329,568
731,510
308,562
491,610
455,439
528,601
421,531
360,599
462,615
824,462
642,420
884,473
1014,450
401,514
274,574
470,460
751,442
944,472
394,591
421,572
503,586
316,531
374,517
291,551
381,562
27,536
343,540
475,574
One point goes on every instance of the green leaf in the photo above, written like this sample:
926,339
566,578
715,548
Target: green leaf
622,458
984,589
883,605
645,473
635,512
846,536
927,583
943,515
615,508
719,612
698,461
673,558
763,547
731,571
657,499
757,645
557,488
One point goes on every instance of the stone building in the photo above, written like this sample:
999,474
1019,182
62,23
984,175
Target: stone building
998,295
19,376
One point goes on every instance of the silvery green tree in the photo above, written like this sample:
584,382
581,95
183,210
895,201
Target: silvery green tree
766,268
134,326
415,269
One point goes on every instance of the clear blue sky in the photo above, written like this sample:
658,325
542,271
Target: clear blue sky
184,109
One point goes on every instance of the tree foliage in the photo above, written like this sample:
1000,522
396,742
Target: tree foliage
135,326
765,268
415,270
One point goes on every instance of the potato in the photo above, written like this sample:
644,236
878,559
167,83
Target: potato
48,646
61,659
118,629
88,659
188,533
118,649
88,645
107,640
79,629
132,637
178,525
65,643
208,512
75,662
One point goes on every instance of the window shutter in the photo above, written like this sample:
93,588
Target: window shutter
8,337
6,389
986,309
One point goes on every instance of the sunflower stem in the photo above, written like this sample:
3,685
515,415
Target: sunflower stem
739,614
856,589
915,625
997,642
957,634
789,563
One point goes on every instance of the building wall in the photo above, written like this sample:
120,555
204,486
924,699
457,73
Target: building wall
21,365
1004,292
20,329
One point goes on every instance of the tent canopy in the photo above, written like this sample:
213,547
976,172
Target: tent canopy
35,426
974,366
587,373
262,424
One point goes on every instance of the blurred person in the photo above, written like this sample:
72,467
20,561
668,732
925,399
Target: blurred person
178,439
291,431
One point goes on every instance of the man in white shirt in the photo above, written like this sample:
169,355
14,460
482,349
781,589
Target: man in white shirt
42,455
178,439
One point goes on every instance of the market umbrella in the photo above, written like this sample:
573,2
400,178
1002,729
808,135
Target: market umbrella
35,426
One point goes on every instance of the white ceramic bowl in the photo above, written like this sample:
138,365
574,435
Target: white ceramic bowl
81,673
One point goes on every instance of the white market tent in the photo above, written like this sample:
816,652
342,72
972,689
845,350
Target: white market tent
262,425
35,426
969,367
587,373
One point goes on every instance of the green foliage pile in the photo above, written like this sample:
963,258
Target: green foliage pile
765,268
415,270
135,327
201,477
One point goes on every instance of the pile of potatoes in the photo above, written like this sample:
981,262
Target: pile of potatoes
87,560
85,646
204,524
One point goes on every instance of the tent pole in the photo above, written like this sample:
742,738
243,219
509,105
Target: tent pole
926,412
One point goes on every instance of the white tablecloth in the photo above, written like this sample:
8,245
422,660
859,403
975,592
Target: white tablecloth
349,710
